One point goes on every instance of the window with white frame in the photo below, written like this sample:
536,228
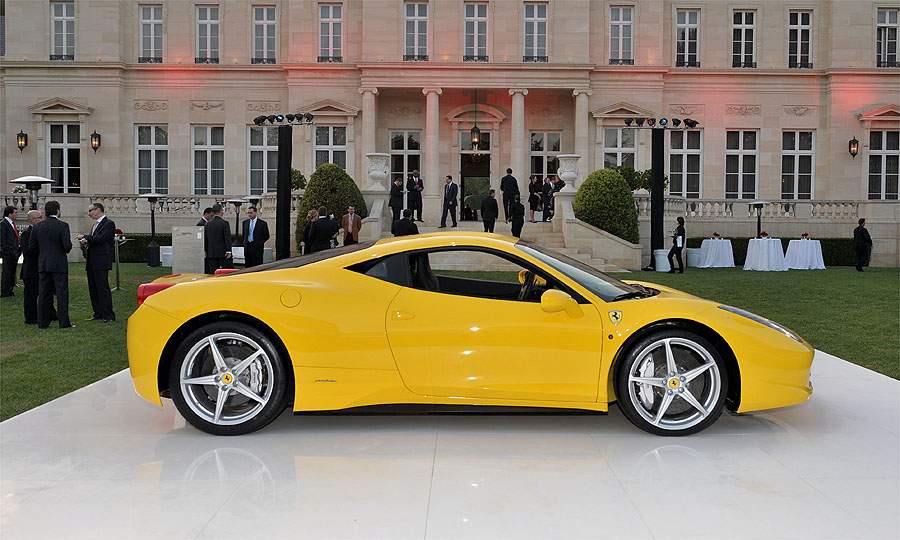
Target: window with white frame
416,31
207,35
151,33
619,147
152,163
887,27
476,22
743,39
740,164
797,151
800,39
62,35
406,153
264,26
65,158
263,170
535,33
884,161
208,145
621,37
687,37
331,145
545,147
330,26
685,151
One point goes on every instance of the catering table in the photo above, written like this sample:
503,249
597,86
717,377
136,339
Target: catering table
804,255
766,255
716,253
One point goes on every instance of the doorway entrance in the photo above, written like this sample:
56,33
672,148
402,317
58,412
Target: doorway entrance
475,182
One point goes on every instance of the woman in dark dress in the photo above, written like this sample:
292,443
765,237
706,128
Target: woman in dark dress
534,196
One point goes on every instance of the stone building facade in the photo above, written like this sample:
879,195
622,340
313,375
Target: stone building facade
779,89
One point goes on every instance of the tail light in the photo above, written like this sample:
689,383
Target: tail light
224,271
145,290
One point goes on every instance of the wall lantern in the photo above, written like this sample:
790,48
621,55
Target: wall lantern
475,133
21,140
95,141
853,147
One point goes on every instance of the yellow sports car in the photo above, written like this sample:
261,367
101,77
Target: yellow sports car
452,319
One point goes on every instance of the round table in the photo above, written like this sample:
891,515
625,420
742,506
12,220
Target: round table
804,255
765,255
716,253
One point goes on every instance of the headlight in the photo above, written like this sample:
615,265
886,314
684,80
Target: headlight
763,321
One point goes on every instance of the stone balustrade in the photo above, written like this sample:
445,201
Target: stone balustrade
717,209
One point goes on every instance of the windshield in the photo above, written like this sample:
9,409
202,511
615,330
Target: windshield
597,282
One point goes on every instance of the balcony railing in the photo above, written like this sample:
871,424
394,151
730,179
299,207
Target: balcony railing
743,64
258,60
717,209
800,65
415,57
149,59
329,59
475,58
888,63
687,63
206,60
543,59
621,61
64,57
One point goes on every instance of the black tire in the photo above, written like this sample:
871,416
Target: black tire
633,358
278,380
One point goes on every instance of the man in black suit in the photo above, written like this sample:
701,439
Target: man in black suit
30,276
52,240
396,200
862,245
489,211
405,226
509,187
216,240
451,192
99,247
9,250
322,231
207,215
517,216
255,233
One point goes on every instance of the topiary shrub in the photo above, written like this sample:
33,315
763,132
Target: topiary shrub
633,178
331,187
604,200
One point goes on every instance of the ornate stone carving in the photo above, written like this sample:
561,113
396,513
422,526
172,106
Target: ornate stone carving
743,110
378,171
263,106
207,105
568,170
683,109
405,110
797,110
151,106
578,91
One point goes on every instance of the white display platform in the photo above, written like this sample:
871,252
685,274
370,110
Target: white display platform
102,463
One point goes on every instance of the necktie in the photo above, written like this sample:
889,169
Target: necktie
252,223
16,231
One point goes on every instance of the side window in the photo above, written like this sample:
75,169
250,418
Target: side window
393,269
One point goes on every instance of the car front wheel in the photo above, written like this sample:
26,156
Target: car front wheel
672,383
227,379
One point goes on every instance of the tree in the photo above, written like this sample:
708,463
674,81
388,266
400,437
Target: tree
604,200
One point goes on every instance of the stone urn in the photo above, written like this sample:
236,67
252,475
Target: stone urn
378,169
568,170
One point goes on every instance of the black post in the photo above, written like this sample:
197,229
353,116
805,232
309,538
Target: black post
759,222
283,194
153,246
657,186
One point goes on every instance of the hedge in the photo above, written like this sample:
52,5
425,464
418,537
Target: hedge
604,200
835,251
135,249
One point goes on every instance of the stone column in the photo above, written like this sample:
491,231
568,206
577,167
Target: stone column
517,150
431,202
368,119
581,134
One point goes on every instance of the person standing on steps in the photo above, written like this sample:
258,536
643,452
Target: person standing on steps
509,187
517,216
451,192
414,187
489,211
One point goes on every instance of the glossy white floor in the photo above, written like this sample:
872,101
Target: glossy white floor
100,463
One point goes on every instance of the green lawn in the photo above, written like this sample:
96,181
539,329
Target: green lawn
851,315
39,365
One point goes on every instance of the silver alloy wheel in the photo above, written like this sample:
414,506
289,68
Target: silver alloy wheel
230,387
674,391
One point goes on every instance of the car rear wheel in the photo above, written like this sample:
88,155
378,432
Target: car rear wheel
672,383
227,378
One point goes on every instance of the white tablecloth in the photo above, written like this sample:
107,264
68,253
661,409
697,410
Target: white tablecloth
765,254
716,253
804,255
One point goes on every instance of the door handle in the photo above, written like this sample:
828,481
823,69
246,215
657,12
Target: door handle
404,315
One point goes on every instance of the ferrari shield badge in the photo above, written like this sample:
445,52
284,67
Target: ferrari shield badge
615,316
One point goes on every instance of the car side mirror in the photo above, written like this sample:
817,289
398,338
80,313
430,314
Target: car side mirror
554,301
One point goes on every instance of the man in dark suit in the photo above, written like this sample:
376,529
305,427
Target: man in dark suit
99,247
547,199
30,276
216,241
255,233
414,188
862,245
517,216
509,187
322,231
396,201
489,211
52,240
451,193
9,250
207,215
405,226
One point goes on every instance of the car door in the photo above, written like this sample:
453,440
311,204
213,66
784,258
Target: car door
464,333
